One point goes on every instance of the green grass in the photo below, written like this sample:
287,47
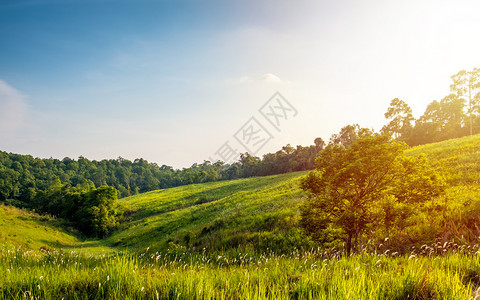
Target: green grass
299,275
460,159
30,231
261,212
21,228
239,239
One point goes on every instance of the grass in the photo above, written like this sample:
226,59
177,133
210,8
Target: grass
260,211
239,239
30,231
298,275
458,157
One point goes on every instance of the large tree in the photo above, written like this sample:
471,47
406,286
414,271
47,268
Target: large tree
348,134
466,84
401,118
350,185
441,120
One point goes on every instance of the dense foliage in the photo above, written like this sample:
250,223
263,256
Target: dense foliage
22,177
93,211
369,186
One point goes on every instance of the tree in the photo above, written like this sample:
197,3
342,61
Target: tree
452,116
319,143
400,116
349,134
351,184
98,211
441,120
249,164
467,84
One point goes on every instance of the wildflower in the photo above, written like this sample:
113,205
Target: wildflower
142,288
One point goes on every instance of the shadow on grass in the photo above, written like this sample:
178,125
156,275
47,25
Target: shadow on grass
207,195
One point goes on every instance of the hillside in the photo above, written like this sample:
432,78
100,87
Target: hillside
262,212
460,158
256,213
20,228
259,211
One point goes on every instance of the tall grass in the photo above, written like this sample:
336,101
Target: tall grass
191,275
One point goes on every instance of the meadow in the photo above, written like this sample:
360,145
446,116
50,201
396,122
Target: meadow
241,239
424,274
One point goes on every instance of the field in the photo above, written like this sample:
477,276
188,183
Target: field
299,275
240,239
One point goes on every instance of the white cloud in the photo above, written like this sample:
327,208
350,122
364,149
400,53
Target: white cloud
265,78
271,78
13,110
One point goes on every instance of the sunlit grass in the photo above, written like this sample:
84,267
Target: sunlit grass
183,275
260,211
459,158
21,228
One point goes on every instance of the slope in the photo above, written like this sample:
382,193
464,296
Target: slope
28,230
459,159
259,211
262,212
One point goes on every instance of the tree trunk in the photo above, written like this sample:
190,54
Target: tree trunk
349,244
355,243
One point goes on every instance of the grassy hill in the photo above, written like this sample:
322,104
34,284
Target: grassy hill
460,159
261,212
20,228
258,213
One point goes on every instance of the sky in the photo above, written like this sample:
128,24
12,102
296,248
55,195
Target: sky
180,82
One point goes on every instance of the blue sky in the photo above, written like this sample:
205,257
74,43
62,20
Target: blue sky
171,81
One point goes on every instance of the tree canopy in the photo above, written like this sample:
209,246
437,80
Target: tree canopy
401,118
353,188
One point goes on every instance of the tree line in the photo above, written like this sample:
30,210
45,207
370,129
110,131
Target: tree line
23,177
